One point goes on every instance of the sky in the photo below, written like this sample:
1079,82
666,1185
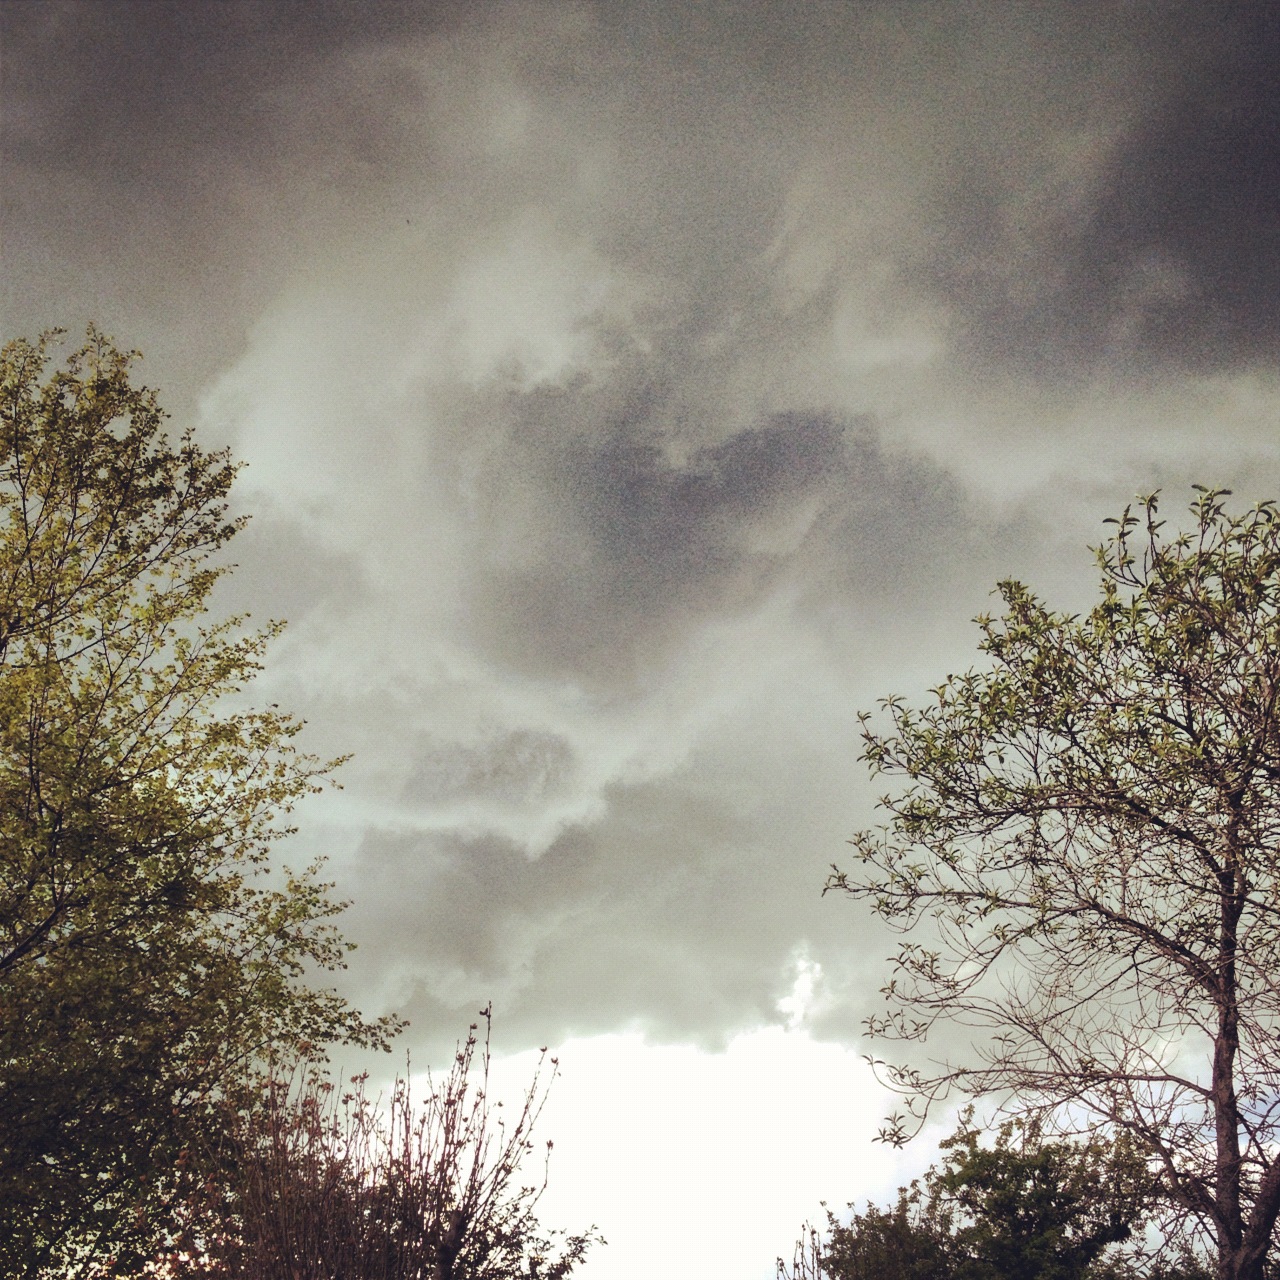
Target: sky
630,395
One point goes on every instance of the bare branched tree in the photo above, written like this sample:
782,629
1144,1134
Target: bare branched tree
1086,856
326,1184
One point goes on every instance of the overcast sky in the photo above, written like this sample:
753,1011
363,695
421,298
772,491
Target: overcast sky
631,393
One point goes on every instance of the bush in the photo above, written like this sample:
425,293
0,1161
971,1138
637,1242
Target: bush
322,1183
1027,1208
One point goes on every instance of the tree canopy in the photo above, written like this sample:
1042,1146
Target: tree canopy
1083,858
150,952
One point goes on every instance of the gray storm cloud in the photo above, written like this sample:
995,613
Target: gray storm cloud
1080,182
630,394
1166,256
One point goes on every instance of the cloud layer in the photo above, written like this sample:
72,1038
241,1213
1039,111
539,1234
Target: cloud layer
624,388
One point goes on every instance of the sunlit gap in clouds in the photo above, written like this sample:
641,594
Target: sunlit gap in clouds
700,1163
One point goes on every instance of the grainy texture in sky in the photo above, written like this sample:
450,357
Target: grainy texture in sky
631,393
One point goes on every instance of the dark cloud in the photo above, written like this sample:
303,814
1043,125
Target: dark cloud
1167,254
154,153
643,535
1091,187
669,527
523,766
1181,256
144,90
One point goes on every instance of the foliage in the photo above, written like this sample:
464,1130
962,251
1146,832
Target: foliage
320,1185
1025,1209
147,958
1084,855
1037,1208
911,1241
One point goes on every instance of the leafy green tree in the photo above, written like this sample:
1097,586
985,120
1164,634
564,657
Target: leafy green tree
149,955
1083,854
1030,1208
911,1241
1024,1209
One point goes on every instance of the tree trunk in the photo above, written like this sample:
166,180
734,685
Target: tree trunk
450,1244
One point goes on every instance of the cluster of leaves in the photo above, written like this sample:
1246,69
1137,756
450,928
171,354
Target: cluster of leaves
1023,1209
